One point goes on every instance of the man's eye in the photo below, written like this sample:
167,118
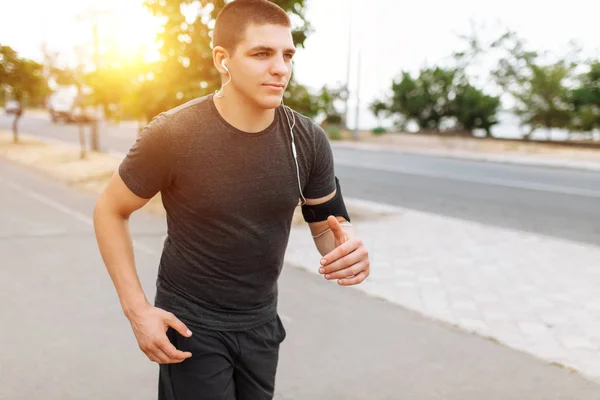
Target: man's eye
288,56
263,54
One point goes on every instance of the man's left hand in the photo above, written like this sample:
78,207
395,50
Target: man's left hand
349,261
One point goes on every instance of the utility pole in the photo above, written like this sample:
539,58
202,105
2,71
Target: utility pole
348,62
355,135
93,16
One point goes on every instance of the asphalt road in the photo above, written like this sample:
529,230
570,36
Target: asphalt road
64,336
556,202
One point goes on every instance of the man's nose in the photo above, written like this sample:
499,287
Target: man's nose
279,67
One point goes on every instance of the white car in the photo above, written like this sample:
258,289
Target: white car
68,104
12,107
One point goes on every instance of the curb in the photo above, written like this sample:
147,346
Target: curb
535,162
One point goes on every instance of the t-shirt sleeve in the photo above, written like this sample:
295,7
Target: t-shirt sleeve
321,181
146,169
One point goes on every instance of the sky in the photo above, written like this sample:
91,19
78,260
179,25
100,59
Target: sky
391,35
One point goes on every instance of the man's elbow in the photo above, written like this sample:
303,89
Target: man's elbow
105,208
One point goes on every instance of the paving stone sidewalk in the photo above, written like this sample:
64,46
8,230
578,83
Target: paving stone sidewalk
532,293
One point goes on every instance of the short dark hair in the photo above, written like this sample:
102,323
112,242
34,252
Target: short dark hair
235,17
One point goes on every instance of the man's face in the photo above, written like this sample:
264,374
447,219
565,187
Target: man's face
261,66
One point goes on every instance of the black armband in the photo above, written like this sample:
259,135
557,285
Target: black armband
334,206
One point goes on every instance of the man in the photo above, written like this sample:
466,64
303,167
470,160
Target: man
231,168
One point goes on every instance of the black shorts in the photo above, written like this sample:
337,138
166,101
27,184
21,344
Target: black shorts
237,365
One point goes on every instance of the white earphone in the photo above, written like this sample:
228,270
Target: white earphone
219,94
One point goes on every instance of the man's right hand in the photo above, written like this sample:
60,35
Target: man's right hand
150,325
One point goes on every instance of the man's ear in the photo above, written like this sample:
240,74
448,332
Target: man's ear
219,55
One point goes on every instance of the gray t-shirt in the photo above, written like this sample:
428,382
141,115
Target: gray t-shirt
229,196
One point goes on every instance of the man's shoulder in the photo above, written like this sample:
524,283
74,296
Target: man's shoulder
181,119
185,113
306,125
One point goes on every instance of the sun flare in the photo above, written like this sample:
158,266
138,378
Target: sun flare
129,34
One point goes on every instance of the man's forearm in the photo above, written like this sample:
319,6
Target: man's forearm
116,247
326,242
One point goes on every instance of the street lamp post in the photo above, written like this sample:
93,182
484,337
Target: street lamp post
356,115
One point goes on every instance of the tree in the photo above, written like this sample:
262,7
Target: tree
185,70
327,99
301,99
585,100
539,89
426,99
23,79
111,84
473,109
378,108
543,102
146,86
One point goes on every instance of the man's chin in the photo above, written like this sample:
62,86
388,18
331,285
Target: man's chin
270,102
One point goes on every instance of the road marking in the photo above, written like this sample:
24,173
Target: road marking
516,184
43,233
68,211
83,218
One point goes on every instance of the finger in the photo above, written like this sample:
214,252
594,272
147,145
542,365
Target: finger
179,326
354,280
171,352
151,356
343,263
157,355
340,251
336,228
348,272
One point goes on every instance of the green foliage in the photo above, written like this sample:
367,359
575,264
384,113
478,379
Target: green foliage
110,86
539,88
585,100
379,130
543,102
473,109
378,108
542,90
327,99
299,98
425,99
23,79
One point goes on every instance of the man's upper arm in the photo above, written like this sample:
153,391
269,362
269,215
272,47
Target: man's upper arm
320,226
321,180
321,186
145,170
118,198
147,167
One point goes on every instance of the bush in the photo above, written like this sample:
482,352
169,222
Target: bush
333,119
379,130
333,133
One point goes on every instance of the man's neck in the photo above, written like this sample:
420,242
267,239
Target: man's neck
246,118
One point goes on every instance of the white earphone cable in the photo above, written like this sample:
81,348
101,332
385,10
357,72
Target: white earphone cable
219,92
294,152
